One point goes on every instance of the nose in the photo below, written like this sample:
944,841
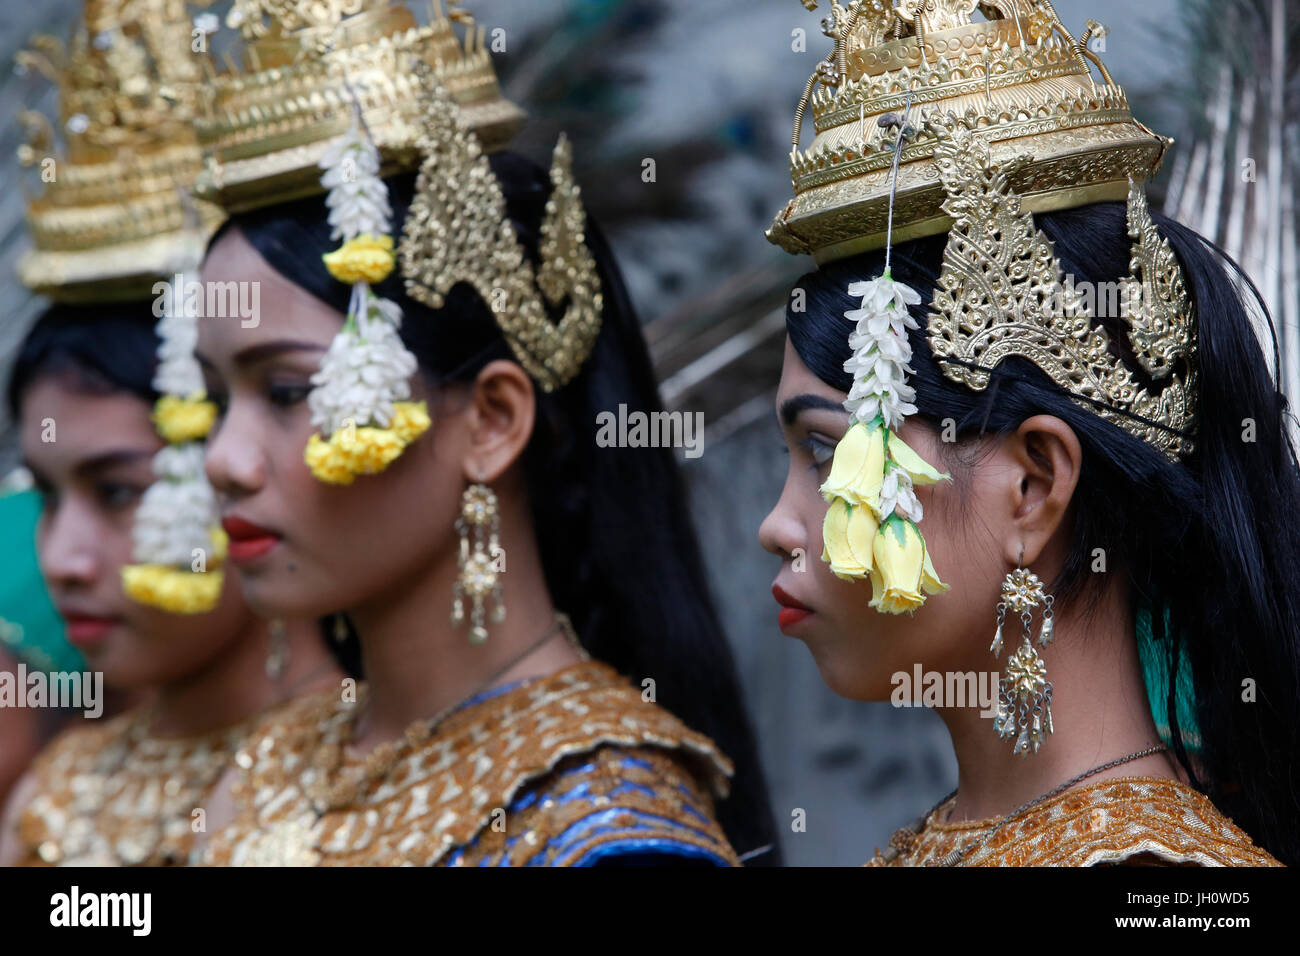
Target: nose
67,550
782,532
234,461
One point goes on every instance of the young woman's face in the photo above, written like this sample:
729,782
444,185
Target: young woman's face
312,548
91,456
857,648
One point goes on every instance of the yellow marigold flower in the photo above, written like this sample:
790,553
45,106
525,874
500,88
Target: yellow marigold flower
847,535
351,452
173,589
366,258
328,462
410,420
220,544
184,419
898,563
858,468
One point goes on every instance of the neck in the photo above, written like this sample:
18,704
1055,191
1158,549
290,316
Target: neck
417,664
1099,713
234,685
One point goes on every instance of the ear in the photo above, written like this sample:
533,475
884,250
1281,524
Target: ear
500,415
1046,458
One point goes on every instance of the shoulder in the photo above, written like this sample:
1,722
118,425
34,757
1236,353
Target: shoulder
616,805
1132,821
591,772
82,743
46,793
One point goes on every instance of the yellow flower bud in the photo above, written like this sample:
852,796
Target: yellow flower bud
920,471
899,564
929,577
847,534
858,468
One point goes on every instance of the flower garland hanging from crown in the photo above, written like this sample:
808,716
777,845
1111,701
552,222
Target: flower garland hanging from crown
179,545
359,399
871,526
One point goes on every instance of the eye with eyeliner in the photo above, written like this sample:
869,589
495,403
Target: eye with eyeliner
287,394
820,449
114,495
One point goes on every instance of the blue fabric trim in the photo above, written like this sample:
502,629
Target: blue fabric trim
656,847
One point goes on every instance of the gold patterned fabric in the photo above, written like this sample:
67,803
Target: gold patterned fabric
571,769
1131,821
111,795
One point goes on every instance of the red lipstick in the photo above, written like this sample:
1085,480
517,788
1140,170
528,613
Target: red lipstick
86,630
248,541
792,611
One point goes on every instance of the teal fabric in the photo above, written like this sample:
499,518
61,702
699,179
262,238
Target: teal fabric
1155,671
30,627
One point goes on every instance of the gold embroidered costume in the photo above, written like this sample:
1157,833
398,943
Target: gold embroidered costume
108,794
569,769
1130,821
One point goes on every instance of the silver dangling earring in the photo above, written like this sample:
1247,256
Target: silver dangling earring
1025,693
277,659
479,518
340,627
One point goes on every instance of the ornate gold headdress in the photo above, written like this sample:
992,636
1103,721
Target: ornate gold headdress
364,93
307,65
115,222
1009,120
113,217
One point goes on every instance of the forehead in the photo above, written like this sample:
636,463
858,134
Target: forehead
798,379
272,307
62,426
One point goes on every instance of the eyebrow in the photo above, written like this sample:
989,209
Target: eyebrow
791,408
101,462
263,351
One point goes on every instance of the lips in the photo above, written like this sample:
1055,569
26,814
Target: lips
248,541
792,611
86,630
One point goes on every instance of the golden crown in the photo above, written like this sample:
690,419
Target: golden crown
1006,120
114,217
307,64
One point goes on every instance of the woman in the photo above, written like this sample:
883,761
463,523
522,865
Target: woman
515,739
1165,695
133,789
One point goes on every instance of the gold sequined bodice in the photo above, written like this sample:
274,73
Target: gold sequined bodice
110,795
1128,820
562,770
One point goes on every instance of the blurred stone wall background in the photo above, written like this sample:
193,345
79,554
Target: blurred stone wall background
707,90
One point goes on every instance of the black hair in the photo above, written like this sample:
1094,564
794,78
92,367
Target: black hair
102,348
619,553
1213,538
107,348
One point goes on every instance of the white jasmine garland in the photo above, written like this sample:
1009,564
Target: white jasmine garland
896,494
178,510
178,371
881,352
366,369
358,198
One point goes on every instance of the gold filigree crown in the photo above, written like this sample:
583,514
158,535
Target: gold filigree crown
307,64
427,101
113,218
1005,119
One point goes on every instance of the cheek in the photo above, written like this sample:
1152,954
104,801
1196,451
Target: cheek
350,543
